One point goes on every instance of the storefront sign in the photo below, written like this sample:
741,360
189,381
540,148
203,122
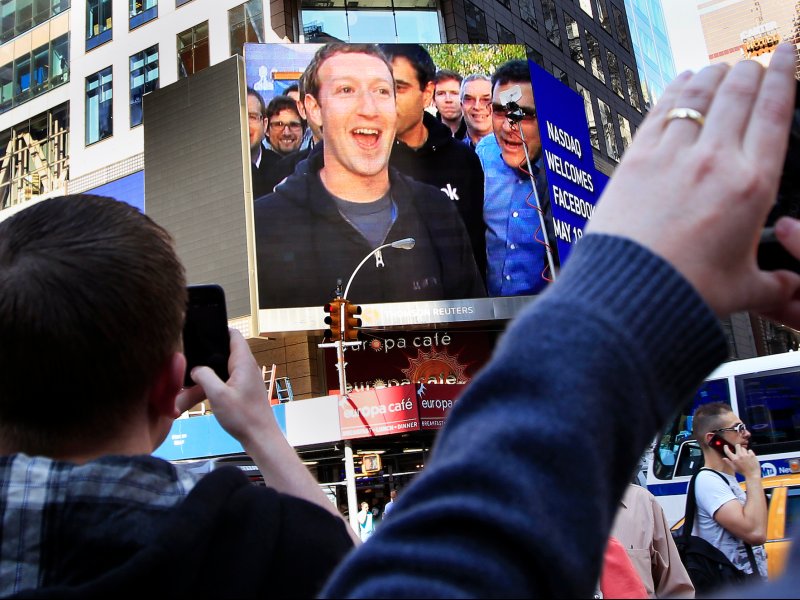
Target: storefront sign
379,411
435,401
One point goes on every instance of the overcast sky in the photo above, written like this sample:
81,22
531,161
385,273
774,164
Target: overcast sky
685,34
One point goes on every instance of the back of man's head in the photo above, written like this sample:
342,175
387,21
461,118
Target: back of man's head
707,418
512,71
417,57
92,298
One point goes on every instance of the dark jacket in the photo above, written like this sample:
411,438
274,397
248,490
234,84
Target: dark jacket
262,174
454,168
304,245
227,539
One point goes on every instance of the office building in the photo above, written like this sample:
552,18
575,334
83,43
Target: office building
651,47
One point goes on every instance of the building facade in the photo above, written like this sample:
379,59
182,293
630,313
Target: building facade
747,29
651,46
73,73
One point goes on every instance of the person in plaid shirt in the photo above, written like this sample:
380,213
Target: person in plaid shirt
92,301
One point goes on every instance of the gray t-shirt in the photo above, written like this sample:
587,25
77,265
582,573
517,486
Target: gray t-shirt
711,492
373,220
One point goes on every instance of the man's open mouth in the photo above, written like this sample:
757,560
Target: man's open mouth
366,136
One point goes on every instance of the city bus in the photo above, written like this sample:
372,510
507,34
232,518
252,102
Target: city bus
765,394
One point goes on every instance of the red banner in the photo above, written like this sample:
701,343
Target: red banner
435,401
379,411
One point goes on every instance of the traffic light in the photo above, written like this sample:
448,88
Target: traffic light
351,321
371,463
334,318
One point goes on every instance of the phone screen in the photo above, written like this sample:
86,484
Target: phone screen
718,443
206,341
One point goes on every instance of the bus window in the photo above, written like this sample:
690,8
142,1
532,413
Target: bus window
690,460
792,511
769,404
666,451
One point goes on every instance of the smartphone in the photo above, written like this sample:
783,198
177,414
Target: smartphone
206,342
718,443
771,254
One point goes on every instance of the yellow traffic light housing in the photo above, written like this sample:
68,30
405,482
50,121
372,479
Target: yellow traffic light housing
352,323
371,463
334,318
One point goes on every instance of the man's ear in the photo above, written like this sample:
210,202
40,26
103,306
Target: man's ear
166,386
427,93
313,110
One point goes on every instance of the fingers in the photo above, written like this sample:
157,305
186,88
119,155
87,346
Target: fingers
732,108
767,131
241,356
208,380
188,397
697,94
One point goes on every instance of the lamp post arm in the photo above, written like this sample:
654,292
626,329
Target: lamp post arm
361,264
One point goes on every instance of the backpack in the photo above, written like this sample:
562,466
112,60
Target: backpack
708,568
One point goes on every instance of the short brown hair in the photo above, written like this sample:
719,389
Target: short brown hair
708,417
92,301
310,83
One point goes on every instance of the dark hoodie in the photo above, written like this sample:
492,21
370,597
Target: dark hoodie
304,245
453,167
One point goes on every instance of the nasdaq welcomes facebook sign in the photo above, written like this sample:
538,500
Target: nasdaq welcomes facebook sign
573,183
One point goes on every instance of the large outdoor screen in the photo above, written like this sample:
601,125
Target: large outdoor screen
401,142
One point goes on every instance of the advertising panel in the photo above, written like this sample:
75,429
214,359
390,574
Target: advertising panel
378,411
375,155
419,357
574,186
435,401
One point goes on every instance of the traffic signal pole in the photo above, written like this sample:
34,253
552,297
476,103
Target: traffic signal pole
349,462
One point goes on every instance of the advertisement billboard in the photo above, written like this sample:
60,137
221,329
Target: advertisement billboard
384,148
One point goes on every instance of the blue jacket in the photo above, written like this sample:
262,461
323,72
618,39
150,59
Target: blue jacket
519,495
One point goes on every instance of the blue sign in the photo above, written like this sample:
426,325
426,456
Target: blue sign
128,189
573,183
201,437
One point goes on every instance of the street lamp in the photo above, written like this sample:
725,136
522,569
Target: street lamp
404,244
349,465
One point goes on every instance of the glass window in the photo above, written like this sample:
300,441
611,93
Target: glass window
144,79
193,51
98,23
181,2
613,71
551,28
625,132
527,12
41,11
59,60
24,20
142,11
574,40
506,3
476,24
622,28
586,6
607,122
560,75
59,6
666,453
504,36
33,155
769,404
594,56
417,26
22,77
587,105
7,20
246,25
41,66
603,16
6,87
534,55
99,113
633,93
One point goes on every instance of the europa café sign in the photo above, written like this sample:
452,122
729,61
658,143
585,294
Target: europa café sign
396,409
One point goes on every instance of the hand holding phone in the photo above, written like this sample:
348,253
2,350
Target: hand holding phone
206,342
718,443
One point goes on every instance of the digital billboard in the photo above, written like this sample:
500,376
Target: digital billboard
435,143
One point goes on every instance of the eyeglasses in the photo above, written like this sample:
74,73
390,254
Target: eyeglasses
279,125
470,100
255,117
739,428
528,114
